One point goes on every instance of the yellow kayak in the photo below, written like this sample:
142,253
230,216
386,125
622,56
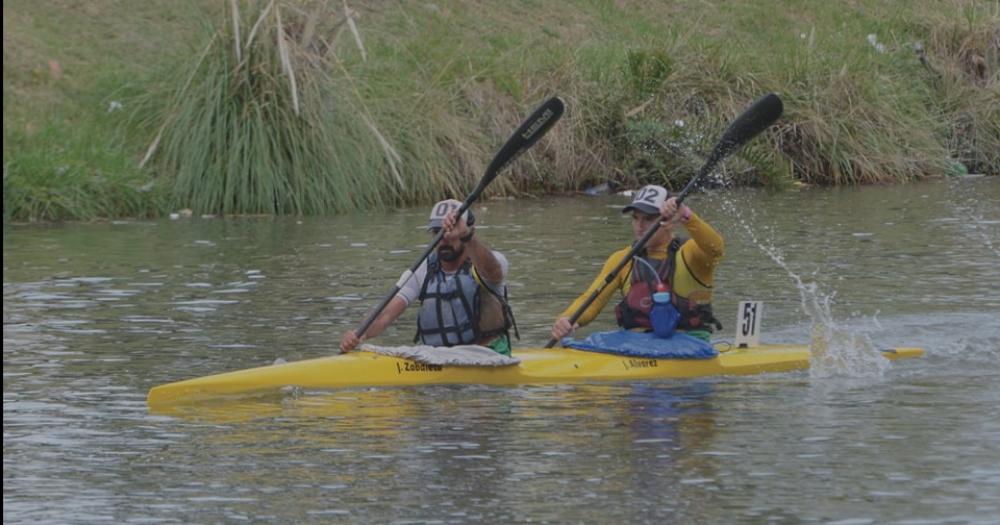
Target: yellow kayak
558,365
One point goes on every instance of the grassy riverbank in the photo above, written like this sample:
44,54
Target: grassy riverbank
408,101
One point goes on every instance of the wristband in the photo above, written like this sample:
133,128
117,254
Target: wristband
467,238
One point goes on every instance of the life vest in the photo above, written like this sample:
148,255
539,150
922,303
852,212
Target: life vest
455,310
633,310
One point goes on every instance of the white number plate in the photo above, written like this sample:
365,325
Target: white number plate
748,323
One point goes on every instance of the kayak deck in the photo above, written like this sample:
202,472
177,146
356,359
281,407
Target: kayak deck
365,369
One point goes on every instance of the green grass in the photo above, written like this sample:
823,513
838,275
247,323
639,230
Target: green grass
441,85
66,157
76,175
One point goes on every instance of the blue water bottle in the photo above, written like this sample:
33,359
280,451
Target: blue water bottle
664,315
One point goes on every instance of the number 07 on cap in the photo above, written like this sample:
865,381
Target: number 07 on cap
442,209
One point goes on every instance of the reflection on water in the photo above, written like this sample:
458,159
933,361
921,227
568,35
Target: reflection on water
94,315
469,448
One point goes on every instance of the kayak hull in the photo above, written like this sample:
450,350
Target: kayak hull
538,366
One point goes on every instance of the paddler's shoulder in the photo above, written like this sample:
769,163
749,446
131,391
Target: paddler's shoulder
620,254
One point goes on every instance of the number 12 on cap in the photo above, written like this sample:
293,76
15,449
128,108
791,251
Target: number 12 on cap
748,323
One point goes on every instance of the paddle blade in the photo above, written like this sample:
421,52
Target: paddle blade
530,131
758,117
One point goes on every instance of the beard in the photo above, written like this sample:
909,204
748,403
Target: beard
449,254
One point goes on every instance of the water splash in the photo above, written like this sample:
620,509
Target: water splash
836,351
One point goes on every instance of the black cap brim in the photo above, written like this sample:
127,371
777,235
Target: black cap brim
643,208
470,220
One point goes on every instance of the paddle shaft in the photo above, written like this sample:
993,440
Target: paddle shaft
749,124
526,135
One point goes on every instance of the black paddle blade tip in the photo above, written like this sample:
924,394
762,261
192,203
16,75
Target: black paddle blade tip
542,119
527,134
765,111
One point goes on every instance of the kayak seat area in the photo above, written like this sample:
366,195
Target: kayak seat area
462,355
644,344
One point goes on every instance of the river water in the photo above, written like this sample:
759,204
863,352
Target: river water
96,314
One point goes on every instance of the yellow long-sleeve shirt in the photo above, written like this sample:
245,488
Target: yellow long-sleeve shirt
693,277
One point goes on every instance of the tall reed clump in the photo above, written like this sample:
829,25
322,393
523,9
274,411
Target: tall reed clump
656,117
859,107
962,70
857,114
267,119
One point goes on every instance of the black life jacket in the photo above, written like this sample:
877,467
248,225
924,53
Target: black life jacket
633,310
454,310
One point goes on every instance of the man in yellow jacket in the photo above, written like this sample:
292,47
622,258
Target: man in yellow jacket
684,267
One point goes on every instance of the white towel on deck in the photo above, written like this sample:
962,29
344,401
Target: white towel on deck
463,355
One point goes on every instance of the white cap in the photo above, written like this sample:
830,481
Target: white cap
442,209
648,200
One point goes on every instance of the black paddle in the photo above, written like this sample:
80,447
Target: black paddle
748,125
526,136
